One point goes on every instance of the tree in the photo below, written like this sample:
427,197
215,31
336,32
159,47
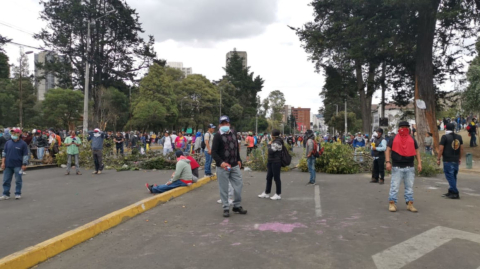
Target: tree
3,40
276,99
199,98
4,66
117,52
471,97
247,87
155,105
114,109
338,122
62,107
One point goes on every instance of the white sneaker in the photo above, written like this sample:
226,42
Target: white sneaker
17,197
276,197
4,197
23,173
230,201
263,195
219,201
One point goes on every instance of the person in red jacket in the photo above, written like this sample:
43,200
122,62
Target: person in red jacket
193,163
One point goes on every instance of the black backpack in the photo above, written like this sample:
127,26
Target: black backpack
203,145
286,157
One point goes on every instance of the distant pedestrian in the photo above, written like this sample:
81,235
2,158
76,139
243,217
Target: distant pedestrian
451,149
310,154
198,142
181,142
402,150
118,139
208,150
379,146
250,141
97,138
428,143
274,166
14,161
72,142
167,144
226,153
472,130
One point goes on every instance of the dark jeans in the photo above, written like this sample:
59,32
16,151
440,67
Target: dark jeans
195,172
379,168
274,172
97,159
7,180
164,188
473,139
451,170
120,148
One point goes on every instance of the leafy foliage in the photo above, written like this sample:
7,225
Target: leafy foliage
62,107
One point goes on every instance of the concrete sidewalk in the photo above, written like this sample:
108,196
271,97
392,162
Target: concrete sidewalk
343,223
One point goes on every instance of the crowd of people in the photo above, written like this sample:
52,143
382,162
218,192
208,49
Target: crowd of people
395,152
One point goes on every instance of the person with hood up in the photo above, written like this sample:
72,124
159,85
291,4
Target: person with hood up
182,176
97,138
198,142
14,161
274,166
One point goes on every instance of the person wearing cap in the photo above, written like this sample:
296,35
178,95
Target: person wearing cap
274,166
226,153
14,161
379,146
451,149
72,142
208,149
182,176
400,157
97,138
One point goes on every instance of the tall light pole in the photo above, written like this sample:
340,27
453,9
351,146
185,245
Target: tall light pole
21,89
345,116
87,77
335,115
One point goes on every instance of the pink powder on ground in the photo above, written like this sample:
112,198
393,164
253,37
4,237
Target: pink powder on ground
278,227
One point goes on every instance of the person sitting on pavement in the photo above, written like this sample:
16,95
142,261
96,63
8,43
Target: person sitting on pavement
182,176
14,161
193,163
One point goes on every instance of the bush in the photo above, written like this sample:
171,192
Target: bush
336,159
429,166
259,158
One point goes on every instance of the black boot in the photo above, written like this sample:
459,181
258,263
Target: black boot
454,196
239,210
226,213
448,194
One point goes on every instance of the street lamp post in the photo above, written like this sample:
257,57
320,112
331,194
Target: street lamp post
345,116
87,77
21,89
335,115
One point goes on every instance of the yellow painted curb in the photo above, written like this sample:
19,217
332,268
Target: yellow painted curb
34,255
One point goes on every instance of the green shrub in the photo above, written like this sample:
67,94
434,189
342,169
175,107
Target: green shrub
259,158
336,159
429,166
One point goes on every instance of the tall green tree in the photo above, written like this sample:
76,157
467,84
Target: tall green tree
62,108
471,96
276,99
117,52
247,86
155,106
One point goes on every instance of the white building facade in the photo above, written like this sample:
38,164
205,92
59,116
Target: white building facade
187,71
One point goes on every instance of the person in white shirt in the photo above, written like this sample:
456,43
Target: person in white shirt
167,144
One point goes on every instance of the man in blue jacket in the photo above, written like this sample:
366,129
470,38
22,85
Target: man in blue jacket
14,161
97,138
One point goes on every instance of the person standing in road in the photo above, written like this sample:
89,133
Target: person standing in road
167,144
250,141
451,148
379,146
472,132
118,139
97,138
274,166
310,154
72,142
14,161
208,150
226,153
181,142
401,150
198,142
428,143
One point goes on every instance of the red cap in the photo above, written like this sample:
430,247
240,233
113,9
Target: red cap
18,131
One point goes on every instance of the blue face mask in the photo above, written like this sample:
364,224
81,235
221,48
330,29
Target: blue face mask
14,137
225,129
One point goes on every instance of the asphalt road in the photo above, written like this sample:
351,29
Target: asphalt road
345,223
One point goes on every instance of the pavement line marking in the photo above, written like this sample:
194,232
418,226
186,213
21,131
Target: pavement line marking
34,255
412,249
318,206
298,199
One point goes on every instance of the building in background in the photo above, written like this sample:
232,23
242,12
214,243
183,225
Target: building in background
394,114
45,82
187,71
319,121
242,54
302,118
287,112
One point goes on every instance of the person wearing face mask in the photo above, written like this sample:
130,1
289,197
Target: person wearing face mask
72,142
14,161
379,146
226,153
274,166
403,149
97,138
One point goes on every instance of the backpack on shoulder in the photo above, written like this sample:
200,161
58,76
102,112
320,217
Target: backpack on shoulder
286,157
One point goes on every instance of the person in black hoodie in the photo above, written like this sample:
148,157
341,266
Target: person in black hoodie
274,166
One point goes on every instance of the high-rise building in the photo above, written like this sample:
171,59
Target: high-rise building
44,82
242,54
287,112
302,118
187,71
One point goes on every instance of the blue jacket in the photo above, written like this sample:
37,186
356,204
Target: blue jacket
97,140
358,144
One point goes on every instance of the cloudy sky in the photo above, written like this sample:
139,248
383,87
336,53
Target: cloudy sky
199,33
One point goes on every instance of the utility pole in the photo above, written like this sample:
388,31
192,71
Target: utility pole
87,80
256,124
220,101
345,116
337,116
20,86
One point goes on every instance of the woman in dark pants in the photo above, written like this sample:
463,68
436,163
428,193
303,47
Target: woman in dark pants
274,166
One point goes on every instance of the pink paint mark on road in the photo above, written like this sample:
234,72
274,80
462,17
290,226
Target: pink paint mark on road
278,227
225,222
236,244
319,232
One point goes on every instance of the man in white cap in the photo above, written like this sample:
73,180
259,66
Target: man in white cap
97,138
